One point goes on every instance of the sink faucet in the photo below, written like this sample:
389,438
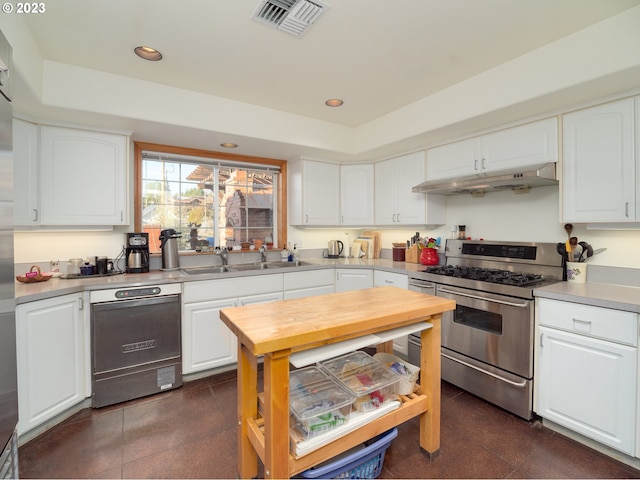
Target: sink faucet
223,255
263,254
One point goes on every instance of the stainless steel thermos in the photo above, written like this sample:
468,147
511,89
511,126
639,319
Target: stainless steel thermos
169,246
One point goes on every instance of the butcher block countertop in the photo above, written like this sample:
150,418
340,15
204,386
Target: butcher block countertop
278,329
304,323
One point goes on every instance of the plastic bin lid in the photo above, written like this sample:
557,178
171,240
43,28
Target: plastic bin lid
313,393
361,373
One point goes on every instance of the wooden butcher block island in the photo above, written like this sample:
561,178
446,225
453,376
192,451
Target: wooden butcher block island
281,329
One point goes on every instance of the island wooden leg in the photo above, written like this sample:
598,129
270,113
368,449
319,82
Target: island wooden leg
430,385
247,408
276,417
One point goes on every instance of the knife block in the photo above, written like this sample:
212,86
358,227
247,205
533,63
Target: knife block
412,255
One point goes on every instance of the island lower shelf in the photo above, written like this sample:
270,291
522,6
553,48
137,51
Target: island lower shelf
411,406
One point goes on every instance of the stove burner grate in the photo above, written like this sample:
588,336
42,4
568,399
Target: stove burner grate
504,277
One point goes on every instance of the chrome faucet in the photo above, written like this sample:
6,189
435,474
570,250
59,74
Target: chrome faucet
224,256
263,254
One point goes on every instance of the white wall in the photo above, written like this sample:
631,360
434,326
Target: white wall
502,216
497,216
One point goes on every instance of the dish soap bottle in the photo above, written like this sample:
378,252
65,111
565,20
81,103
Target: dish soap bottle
284,255
289,253
296,256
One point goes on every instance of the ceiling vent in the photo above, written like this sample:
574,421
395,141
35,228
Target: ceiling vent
291,16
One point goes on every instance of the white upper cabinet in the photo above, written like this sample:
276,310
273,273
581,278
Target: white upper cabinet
26,197
314,193
600,163
356,194
83,177
395,202
69,177
531,144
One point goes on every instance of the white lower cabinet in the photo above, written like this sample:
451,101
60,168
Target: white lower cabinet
51,358
586,371
206,341
353,279
390,279
209,343
309,283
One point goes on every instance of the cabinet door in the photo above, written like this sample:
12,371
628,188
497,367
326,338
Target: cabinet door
385,202
458,159
348,279
314,193
207,342
395,203
599,164
589,386
356,195
410,207
50,354
530,144
83,177
26,185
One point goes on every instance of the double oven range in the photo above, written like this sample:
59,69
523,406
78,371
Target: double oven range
487,341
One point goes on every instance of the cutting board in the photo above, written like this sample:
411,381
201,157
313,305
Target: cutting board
375,237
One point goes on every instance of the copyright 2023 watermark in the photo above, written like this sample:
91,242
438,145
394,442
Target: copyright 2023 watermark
28,8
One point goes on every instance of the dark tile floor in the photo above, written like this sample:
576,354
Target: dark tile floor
191,433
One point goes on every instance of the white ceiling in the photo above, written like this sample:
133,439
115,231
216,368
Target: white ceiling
376,55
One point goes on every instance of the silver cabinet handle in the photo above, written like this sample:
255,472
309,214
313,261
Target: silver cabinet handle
306,218
35,214
484,163
476,297
626,209
475,164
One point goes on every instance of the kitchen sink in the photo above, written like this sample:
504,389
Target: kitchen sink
204,270
264,265
241,267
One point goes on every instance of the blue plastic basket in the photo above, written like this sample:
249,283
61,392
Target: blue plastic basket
365,463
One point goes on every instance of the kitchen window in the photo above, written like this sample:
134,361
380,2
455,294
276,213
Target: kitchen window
212,198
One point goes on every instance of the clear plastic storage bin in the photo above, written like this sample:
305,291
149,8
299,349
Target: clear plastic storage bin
317,402
373,383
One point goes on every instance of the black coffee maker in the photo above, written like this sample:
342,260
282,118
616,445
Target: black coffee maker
137,252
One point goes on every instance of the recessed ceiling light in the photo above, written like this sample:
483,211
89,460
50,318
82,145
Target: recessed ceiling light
229,145
148,53
334,102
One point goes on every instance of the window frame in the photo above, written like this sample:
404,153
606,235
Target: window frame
281,192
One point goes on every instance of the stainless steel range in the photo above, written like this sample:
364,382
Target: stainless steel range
487,341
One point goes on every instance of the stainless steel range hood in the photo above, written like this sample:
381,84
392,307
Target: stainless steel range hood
518,180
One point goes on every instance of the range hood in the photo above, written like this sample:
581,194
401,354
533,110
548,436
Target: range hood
518,180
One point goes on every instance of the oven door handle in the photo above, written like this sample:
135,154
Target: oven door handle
476,297
481,370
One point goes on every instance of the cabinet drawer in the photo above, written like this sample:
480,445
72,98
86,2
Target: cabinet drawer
308,279
231,287
614,325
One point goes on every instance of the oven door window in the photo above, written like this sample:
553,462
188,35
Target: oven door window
479,319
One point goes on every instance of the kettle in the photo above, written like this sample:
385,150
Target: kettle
169,245
335,249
